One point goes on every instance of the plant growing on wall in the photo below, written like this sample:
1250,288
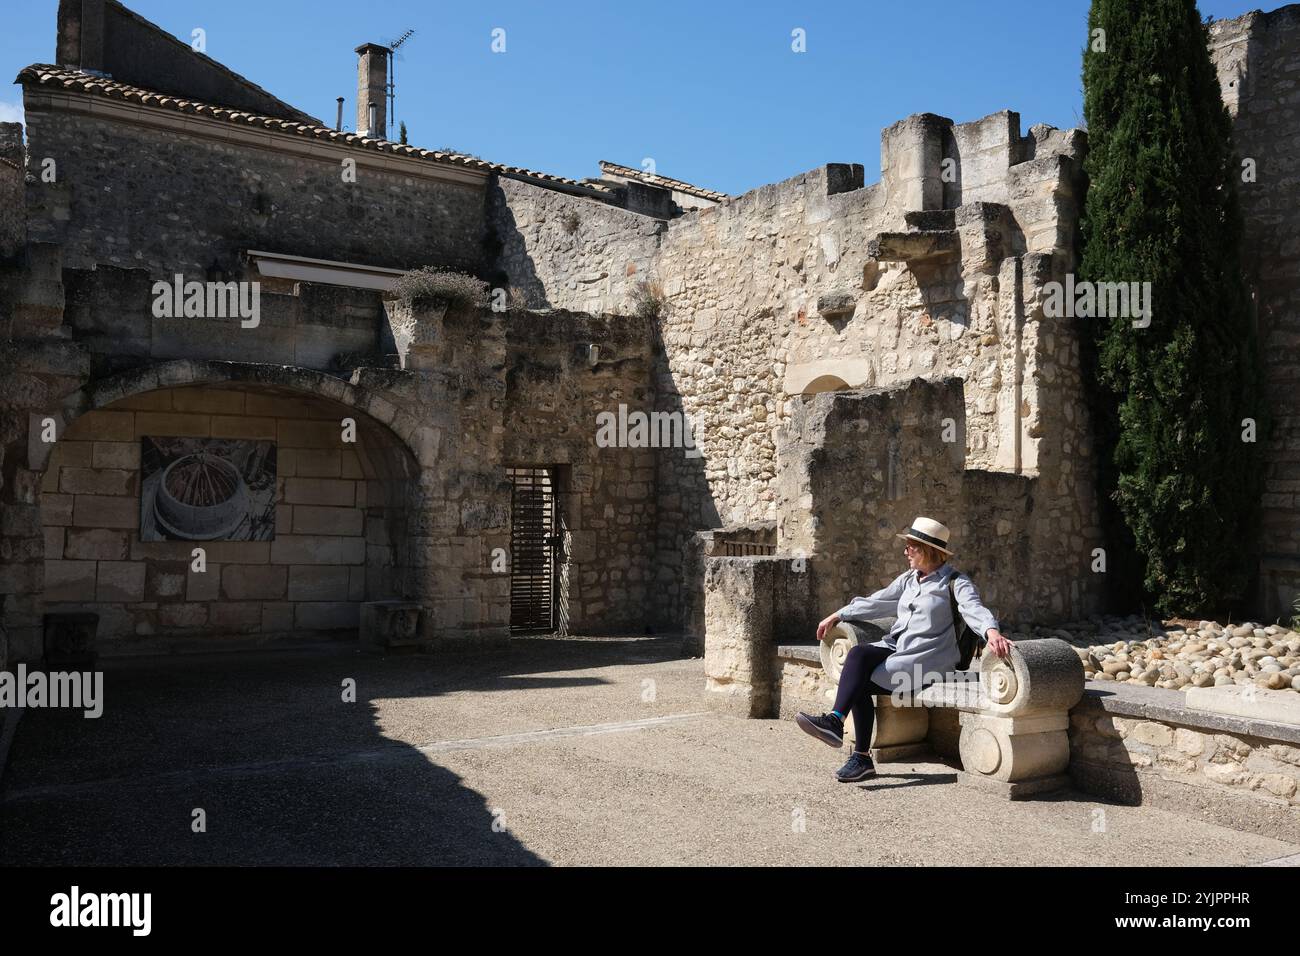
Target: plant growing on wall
1178,386
647,299
429,285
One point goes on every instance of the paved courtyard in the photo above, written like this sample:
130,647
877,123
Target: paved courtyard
575,751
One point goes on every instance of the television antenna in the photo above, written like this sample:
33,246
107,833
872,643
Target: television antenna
392,76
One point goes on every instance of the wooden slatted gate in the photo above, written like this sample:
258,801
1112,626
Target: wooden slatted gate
533,537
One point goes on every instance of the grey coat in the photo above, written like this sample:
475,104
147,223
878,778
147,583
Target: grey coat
923,637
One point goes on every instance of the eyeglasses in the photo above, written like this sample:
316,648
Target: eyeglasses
911,546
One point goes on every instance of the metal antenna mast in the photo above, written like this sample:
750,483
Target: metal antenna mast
392,75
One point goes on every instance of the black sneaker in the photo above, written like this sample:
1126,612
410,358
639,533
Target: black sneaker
827,728
858,768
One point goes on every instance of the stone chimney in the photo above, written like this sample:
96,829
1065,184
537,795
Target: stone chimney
372,90
80,41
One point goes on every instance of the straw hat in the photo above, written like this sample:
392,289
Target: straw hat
928,531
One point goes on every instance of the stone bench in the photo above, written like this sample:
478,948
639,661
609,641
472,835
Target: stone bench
1014,714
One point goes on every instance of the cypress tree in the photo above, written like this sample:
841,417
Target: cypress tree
1162,207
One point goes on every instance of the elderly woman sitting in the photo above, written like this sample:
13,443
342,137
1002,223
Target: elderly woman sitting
920,647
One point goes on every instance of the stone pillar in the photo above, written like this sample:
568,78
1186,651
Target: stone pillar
80,41
1015,743
739,643
912,162
750,605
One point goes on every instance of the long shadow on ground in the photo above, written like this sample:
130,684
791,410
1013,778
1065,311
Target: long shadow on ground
284,770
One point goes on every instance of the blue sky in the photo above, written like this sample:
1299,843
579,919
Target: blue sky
711,91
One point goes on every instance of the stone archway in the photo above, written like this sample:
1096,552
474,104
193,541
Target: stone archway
340,507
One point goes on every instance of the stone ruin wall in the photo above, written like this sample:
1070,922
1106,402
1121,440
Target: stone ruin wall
13,161
748,284
555,386
858,465
1258,60
78,302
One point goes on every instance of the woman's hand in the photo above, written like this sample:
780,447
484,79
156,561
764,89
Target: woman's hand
826,625
998,644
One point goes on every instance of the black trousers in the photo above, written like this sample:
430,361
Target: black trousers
857,691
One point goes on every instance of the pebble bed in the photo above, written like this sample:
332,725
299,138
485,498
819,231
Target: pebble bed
1179,654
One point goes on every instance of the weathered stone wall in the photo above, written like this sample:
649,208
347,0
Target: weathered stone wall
311,325
819,283
563,370
1181,761
567,251
13,161
1257,56
857,466
331,547
184,196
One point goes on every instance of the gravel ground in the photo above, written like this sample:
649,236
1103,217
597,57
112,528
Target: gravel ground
560,752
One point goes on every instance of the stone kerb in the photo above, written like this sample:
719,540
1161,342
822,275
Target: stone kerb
1014,722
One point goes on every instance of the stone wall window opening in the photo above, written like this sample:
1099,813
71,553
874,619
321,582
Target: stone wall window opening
825,383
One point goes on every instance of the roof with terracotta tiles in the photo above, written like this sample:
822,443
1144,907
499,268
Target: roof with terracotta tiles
656,180
73,80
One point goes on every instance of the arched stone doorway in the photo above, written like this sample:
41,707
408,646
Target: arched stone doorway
333,534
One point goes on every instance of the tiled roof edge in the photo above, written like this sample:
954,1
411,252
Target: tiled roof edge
664,181
65,78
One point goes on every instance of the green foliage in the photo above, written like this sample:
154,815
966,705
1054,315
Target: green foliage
429,285
1162,208
402,133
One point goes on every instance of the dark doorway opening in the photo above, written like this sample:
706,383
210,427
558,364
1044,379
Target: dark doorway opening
535,549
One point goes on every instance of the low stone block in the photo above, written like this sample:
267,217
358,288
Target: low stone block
390,623
70,639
